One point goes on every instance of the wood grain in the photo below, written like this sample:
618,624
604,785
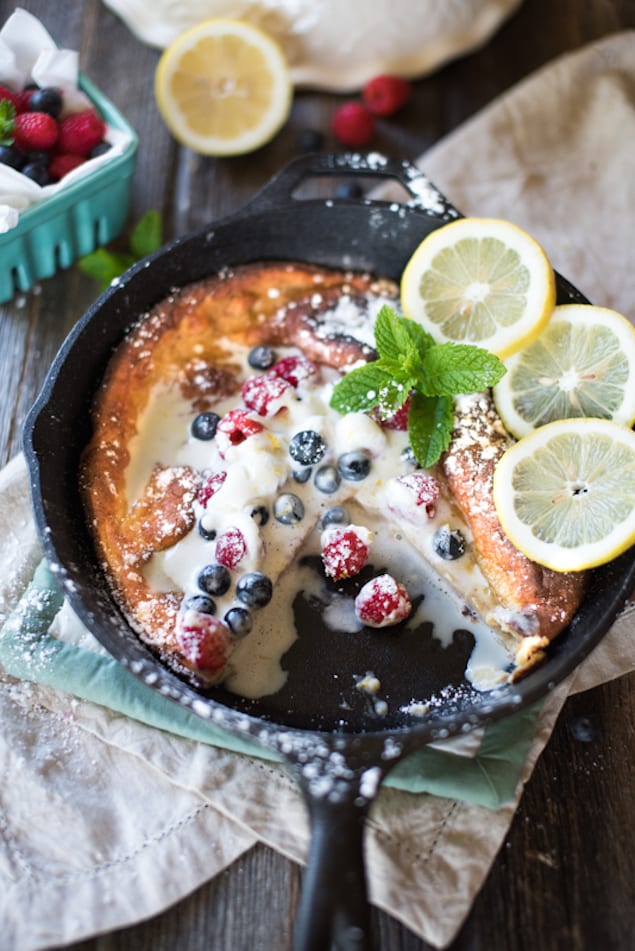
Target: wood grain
565,876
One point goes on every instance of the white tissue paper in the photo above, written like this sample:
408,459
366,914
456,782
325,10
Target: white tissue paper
29,54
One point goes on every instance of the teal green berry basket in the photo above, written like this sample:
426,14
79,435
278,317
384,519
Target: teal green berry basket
75,220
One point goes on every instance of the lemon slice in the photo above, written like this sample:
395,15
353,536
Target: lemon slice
223,87
565,494
583,364
482,281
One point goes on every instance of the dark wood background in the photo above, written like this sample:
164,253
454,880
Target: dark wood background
565,877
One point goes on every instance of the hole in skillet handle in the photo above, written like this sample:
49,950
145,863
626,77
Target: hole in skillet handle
288,182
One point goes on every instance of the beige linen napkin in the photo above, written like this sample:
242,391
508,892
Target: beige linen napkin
80,851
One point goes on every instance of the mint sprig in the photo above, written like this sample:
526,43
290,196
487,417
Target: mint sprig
7,122
410,363
104,265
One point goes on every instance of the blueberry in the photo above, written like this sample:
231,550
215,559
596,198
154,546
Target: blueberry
448,543
100,149
261,358
37,173
335,516
11,157
310,140
47,100
288,508
260,515
327,479
407,455
254,589
584,728
209,534
302,475
349,190
201,603
238,620
307,447
354,466
214,579
204,426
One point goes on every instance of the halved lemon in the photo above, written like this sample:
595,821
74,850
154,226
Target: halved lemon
583,364
482,281
565,494
223,87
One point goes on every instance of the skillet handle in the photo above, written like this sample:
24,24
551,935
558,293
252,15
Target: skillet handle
333,909
424,195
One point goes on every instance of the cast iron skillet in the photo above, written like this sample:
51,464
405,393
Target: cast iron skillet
338,749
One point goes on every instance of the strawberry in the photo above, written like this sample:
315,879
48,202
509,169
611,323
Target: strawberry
35,132
210,487
262,393
382,602
344,550
13,97
230,548
81,132
353,124
385,95
203,640
234,428
61,165
295,370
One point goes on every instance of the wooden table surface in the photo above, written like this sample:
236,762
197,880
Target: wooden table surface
565,877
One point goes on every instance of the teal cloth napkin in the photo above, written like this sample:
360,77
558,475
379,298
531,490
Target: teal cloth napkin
28,651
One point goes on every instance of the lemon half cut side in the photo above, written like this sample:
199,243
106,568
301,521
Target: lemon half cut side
565,493
583,364
223,87
481,281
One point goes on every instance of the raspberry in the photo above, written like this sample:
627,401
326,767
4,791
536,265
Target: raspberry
210,487
230,548
344,550
295,370
35,132
203,640
262,393
353,124
234,428
415,488
61,165
398,420
382,602
81,132
385,95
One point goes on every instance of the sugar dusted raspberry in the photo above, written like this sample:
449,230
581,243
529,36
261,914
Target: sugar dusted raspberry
345,550
382,602
81,132
230,548
262,393
413,493
210,487
203,640
398,420
295,370
234,428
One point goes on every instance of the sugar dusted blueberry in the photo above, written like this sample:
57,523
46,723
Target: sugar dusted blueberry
209,534
261,358
354,466
307,448
200,603
214,579
448,543
254,589
302,475
260,514
288,508
238,620
204,425
327,479
337,515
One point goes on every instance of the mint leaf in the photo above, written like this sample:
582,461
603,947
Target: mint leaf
396,336
104,266
146,236
453,368
430,424
360,389
7,120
